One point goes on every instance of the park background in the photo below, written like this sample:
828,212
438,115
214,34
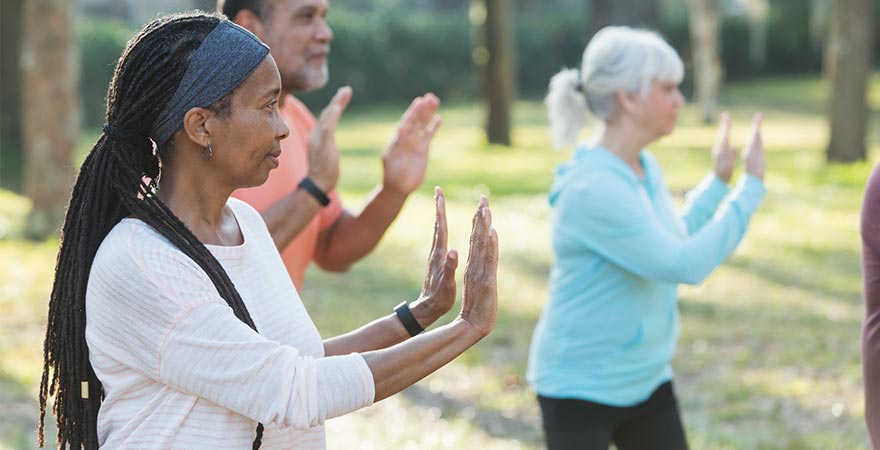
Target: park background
769,355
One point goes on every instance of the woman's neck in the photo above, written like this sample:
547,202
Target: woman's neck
626,142
200,206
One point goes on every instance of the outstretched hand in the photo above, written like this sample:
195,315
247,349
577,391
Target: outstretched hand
480,299
753,155
322,152
723,155
438,292
405,160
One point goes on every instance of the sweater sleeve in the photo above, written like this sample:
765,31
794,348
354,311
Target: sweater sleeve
871,327
210,353
702,201
611,217
166,320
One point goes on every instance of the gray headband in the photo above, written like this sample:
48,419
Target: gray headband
227,56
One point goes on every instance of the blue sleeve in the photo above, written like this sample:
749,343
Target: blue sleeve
702,201
610,216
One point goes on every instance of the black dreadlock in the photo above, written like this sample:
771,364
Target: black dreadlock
118,179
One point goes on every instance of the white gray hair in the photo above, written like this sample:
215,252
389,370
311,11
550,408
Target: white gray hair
616,59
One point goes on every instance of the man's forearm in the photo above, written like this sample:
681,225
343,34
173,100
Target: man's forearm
288,217
353,237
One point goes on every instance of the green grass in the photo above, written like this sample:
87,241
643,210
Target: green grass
769,355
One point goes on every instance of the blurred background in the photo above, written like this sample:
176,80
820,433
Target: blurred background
769,356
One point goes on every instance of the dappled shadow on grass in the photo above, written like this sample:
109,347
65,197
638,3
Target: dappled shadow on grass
491,421
781,374
834,264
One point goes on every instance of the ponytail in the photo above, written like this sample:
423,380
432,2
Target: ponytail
566,107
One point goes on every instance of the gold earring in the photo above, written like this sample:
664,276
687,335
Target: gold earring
207,155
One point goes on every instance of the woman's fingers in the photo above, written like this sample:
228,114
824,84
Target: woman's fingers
757,120
723,135
753,157
438,245
754,140
476,232
480,300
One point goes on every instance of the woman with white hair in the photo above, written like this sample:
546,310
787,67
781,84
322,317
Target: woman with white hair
600,359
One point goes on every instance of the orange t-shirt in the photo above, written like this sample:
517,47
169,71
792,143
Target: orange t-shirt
293,167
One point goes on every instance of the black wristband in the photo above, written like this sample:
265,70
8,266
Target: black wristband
315,191
408,319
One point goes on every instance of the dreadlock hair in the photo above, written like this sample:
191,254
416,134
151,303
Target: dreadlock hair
116,180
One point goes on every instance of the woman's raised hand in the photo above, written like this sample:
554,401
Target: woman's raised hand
480,299
723,155
753,153
438,292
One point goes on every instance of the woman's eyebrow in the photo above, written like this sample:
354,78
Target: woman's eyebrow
272,92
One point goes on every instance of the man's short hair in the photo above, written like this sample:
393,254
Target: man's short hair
231,8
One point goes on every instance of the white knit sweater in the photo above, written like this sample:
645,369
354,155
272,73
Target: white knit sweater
180,371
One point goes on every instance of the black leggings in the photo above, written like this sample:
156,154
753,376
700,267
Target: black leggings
655,424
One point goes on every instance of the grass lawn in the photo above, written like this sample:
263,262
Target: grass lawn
769,355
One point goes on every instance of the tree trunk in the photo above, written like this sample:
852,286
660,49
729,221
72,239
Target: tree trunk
704,16
11,154
848,63
757,13
500,70
50,110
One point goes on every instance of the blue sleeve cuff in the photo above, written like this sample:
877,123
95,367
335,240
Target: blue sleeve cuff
715,188
748,193
709,193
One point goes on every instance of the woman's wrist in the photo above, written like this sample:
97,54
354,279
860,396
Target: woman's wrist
425,312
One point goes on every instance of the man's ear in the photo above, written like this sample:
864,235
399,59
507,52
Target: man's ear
249,20
628,101
194,124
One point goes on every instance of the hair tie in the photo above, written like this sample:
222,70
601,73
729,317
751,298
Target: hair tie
579,84
125,136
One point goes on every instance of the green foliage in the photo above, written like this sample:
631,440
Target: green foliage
391,55
100,44
545,44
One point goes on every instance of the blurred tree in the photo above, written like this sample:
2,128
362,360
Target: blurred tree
757,15
50,111
500,73
704,17
848,65
11,155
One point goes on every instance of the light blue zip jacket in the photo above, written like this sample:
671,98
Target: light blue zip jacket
609,330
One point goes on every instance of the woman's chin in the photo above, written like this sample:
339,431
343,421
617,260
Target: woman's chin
254,182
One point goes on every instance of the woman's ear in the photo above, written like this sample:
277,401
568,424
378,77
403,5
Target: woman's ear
628,101
194,124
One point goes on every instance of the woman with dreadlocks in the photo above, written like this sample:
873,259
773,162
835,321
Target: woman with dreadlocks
172,321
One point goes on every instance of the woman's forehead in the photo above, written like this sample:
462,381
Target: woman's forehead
264,82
